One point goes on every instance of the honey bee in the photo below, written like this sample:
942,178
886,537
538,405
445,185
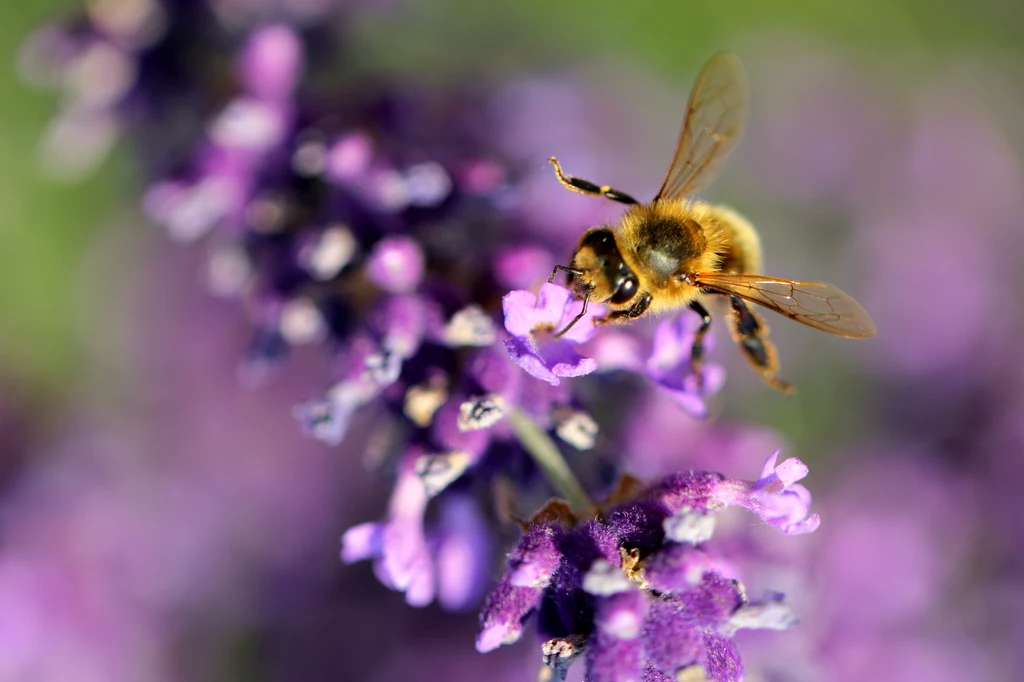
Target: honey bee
677,252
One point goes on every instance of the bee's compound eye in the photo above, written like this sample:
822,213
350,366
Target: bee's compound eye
625,291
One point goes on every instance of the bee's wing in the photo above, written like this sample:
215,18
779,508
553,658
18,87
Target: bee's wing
715,118
816,304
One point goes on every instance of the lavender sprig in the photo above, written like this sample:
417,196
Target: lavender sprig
635,588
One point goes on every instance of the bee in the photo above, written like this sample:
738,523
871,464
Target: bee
676,252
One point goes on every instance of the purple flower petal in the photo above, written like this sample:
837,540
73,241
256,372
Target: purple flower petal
675,567
585,329
690,391
564,361
361,542
775,478
528,317
670,366
530,567
721,659
774,497
535,557
501,620
652,674
402,560
590,542
462,553
671,640
638,523
526,312
524,353
696,490
614,652
713,601
618,350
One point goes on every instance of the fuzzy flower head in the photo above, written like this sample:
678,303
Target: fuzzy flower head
532,320
633,591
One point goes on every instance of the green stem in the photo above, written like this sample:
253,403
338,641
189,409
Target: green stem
545,453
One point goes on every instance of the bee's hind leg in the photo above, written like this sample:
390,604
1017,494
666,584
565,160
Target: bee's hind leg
751,333
586,187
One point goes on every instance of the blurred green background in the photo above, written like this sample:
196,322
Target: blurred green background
45,226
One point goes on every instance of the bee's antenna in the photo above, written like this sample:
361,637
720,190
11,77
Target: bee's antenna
586,300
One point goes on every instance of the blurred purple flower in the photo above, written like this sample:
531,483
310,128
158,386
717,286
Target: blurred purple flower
671,368
450,561
399,546
396,265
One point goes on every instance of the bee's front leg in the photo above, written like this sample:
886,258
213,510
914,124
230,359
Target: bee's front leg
582,186
631,313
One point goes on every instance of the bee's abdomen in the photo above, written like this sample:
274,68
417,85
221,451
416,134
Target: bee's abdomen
743,251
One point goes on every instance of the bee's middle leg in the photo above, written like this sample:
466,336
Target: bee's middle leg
586,187
751,333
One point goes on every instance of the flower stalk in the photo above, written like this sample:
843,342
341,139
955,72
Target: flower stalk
547,456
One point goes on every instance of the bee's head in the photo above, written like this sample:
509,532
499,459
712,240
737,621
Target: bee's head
599,271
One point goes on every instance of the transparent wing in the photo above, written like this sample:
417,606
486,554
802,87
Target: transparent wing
816,304
715,119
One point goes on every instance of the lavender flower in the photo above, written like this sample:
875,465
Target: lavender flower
528,316
634,589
